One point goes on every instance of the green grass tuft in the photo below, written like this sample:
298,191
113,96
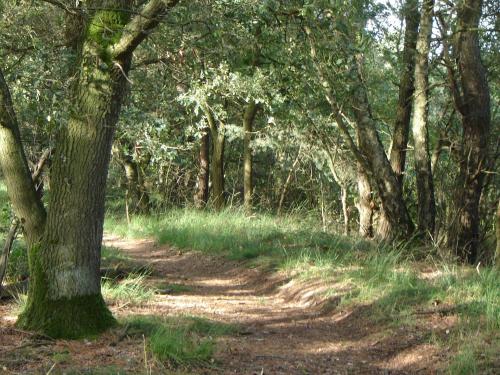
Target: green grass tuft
183,340
131,291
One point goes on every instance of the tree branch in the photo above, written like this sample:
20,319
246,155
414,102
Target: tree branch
141,26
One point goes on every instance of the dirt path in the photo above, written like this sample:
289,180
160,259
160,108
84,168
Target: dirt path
286,333
284,330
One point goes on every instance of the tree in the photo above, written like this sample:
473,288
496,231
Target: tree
201,195
64,298
426,207
399,143
472,100
248,120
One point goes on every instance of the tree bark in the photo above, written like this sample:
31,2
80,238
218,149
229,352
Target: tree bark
426,207
218,137
288,180
248,120
398,222
474,106
201,195
399,143
137,192
25,201
4,257
365,204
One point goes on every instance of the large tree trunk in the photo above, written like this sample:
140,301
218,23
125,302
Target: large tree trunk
201,195
399,143
474,105
64,297
248,120
426,207
65,277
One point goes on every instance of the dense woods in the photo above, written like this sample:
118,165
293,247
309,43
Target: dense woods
379,119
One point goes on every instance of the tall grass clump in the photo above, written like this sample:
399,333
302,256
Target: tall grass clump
179,340
131,291
229,232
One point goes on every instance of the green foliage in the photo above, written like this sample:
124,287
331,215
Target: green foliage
183,340
18,267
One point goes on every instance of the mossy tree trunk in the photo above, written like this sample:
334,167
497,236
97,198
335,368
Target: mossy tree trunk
248,120
426,206
64,297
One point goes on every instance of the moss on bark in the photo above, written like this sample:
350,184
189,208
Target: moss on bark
70,318
105,29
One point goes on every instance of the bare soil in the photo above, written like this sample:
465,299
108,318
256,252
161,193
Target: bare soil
286,327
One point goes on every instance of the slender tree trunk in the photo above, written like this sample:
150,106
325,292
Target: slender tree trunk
365,204
345,211
248,120
20,188
218,137
497,227
474,105
399,143
137,195
426,207
398,222
4,257
288,180
201,195
217,169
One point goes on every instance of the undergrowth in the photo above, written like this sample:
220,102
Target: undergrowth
389,278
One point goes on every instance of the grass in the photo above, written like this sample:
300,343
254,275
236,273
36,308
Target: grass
386,277
183,340
131,291
229,232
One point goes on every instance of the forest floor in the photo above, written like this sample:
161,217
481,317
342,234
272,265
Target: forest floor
283,326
